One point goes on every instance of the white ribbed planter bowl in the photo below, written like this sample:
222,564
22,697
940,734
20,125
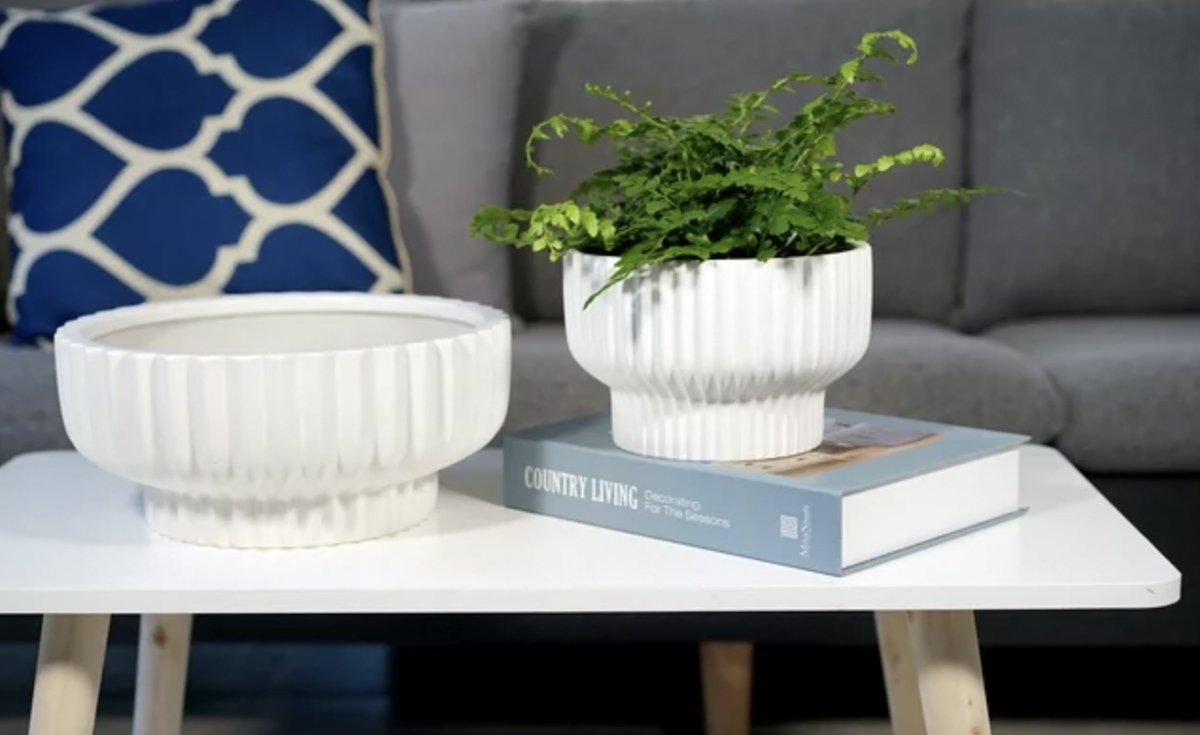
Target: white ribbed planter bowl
285,420
724,360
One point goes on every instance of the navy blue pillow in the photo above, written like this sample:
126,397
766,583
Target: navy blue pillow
183,148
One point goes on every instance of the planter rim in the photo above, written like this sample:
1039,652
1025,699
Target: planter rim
858,247
89,331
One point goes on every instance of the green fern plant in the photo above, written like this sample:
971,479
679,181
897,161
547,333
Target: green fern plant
721,186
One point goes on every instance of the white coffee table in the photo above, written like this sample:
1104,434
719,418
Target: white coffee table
73,547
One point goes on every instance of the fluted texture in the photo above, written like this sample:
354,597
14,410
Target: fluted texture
723,360
279,450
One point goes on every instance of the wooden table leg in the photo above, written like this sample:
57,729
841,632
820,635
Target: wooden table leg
69,667
164,642
726,674
933,672
895,649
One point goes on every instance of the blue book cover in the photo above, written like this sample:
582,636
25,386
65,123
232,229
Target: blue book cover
790,510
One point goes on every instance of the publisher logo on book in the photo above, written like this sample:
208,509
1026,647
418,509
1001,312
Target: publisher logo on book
797,528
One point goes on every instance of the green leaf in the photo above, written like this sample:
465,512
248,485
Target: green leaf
683,252
849,70
864,173
744,181
654,206
870,44
590,224
721,209
926,201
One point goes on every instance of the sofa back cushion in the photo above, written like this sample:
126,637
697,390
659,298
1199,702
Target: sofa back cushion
687,57
1091,109
453,76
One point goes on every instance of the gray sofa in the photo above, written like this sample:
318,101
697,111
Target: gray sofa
1070,313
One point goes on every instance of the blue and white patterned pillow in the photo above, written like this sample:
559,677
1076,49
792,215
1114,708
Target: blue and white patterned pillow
180,148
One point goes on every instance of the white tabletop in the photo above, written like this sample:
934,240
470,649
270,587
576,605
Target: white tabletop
72,540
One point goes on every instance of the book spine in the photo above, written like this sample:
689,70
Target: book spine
793,526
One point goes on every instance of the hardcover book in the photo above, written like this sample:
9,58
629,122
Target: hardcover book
877,487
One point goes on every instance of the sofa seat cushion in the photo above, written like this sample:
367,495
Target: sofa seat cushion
1131,386
29,416
547,384
911,369
929,372
453,72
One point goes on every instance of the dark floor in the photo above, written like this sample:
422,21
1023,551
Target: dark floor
647,689
226,725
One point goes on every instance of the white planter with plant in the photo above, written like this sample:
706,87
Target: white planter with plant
717,278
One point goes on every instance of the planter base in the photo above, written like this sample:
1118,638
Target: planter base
668,428
294,523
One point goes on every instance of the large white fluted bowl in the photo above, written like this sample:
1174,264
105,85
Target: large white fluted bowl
285,420
722,360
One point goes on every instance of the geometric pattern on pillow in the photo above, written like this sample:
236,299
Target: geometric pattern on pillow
182,148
